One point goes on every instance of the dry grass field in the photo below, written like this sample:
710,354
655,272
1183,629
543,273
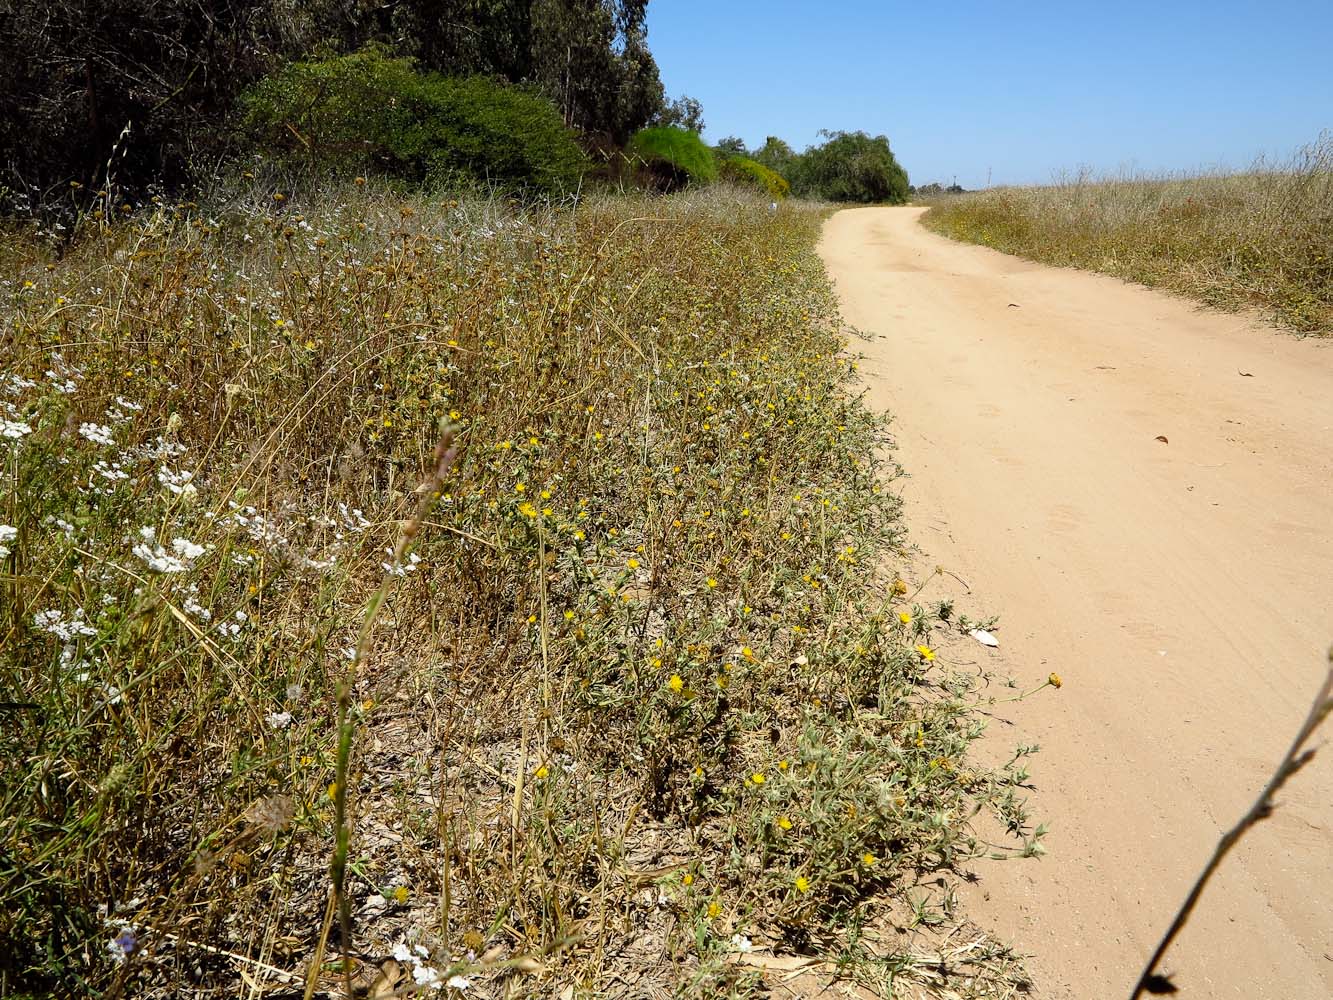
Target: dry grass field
1263,238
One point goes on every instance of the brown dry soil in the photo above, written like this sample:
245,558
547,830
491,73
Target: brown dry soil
1143,490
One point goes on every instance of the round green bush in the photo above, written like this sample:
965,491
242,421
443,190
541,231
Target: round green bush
750,173
673,157
369,111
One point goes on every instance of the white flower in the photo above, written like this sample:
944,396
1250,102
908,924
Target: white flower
424,975
459,983
14,429
187,549
7,535
741,943
54,622
401,953
97,434
157,559
279,720
193,607
178,483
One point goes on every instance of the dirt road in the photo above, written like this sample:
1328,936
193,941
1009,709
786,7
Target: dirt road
1183,588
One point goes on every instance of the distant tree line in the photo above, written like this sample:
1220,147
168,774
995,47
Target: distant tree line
846,166
525,94
158,81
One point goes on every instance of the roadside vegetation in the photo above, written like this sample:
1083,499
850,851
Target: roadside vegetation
641,698
442,544
1261,239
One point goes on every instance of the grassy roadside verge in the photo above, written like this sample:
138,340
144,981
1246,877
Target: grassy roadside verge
641,696
1262,239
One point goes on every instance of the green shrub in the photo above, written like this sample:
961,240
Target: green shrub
367,110
674,157
851,166
748,173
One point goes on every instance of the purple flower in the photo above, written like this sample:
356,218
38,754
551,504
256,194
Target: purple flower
122,945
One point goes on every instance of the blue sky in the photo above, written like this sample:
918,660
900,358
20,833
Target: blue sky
1015,89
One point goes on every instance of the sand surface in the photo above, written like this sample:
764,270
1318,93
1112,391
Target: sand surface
1183,589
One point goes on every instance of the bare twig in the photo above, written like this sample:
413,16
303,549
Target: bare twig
1297,757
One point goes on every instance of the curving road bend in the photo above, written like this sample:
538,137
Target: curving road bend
1182,588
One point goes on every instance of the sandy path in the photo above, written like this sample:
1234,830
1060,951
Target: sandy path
1183,590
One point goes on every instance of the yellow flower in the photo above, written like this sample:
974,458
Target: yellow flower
802,884
714,910
676,684
899,587
400,894
541,772
712,583
747,652
926,652
569,616
784,823
632,563
1054,681
687,878
333,790
520,487
782,765
905,617
868,859
758,778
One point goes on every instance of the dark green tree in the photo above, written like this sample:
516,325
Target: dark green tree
732,146
684,112
776,155
850,166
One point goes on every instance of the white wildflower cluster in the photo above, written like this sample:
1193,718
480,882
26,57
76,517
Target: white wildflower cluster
97,434
7,535
162,448
112,472
256,525
177,483
61,524
122,411
64,629
354,521
15,385
279,720
61,376
395,568
14,430
159,560
192,607
232,628
425,975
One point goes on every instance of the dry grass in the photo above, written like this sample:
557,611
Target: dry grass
638,686
1263,238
